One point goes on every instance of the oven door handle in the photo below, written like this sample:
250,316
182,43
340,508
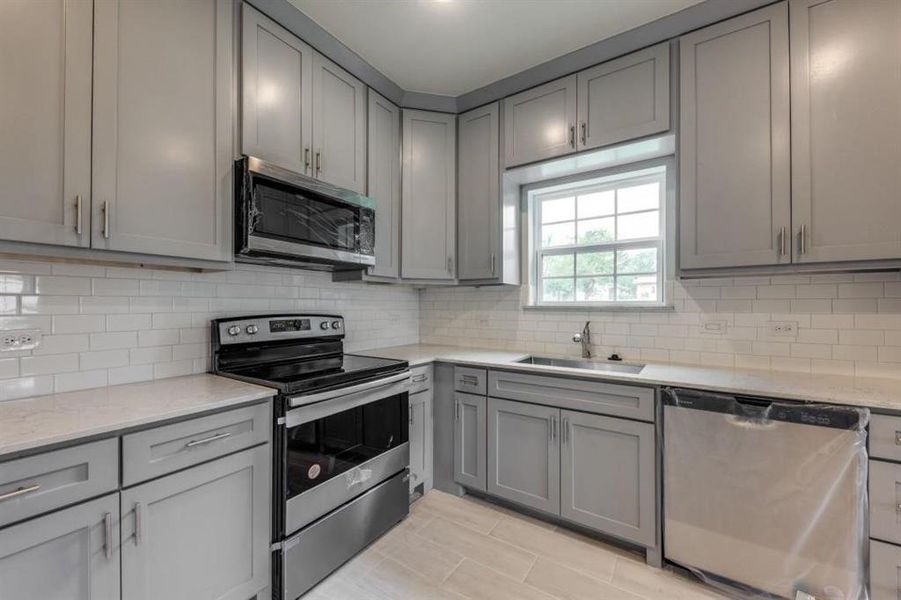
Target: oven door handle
317,406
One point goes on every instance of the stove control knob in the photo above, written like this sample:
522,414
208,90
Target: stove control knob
234,330
336,324
252,329
323,325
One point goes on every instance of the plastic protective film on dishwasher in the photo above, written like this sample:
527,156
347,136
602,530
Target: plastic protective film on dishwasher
765,498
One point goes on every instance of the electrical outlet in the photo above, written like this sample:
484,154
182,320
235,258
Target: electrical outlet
714,326
21,339
783,328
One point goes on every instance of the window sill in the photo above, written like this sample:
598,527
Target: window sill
601,308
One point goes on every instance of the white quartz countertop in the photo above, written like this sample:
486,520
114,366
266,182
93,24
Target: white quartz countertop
833,389
56,418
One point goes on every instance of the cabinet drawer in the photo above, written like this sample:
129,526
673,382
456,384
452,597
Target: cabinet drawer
885,437
155,452
885,501
577,394
420,378
470,381
885,566
44,482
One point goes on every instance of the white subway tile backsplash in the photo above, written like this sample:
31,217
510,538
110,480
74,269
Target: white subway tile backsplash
45,365
51,284
103,359
78,323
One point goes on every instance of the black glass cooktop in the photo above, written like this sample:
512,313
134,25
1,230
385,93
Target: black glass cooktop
320,373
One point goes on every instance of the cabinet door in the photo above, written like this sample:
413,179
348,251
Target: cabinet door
163,127
524,453
45,147
734,142
71,554
479,198
846,127
608,475
202,533
421,440
429,198
540,123
470,450
339,126
624,99
277,93
383,182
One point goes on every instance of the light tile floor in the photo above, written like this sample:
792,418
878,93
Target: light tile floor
458,548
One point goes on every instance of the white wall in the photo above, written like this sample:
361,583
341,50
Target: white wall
847,324
109,325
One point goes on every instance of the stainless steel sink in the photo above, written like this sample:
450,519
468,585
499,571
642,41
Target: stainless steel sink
572,363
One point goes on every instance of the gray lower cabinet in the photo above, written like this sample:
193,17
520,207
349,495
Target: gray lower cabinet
735,197
608,475
421,440
201,533
524,453
885,571
71,554
470,439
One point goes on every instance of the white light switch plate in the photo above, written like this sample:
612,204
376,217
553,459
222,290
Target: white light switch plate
20,339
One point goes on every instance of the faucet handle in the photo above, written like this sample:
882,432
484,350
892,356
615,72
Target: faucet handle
577,338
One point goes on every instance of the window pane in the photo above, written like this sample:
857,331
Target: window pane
560,209
557,290
597,204
560,234
636,288
557,266
594,263
637,260
638,197
593,231
640,225
594,289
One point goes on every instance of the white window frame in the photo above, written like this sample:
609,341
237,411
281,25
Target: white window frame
624,177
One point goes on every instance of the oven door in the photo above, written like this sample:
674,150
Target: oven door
341,443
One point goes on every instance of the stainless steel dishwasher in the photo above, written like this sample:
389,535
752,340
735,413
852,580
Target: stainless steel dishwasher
766,497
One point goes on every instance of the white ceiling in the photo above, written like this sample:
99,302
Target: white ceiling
451,47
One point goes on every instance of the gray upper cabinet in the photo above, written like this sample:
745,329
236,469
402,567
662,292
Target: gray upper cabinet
735,197
524,453
202,533
470,450
277,93
339,126
429,198
540,123
608,477
45,148
383,177
479,202
163,127
624,99
71,554
846,127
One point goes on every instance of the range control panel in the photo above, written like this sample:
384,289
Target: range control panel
278,327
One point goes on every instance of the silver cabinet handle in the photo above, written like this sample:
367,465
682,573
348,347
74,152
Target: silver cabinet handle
108,536
106,219
493,264
782,241
306,159
318,161
898,438
450,265
139,523
20,491
550,429
78,214
802,240
208,440
565,433
554,423
572,136
457,411
584,132
419,378
898,509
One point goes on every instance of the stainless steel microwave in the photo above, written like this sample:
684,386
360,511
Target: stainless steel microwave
286,218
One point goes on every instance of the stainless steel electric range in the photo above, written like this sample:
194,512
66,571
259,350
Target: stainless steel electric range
340,440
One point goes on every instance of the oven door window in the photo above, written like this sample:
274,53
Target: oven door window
320,450
303,217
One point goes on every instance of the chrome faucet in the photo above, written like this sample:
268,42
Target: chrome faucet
584,338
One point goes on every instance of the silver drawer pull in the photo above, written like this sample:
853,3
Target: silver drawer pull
470,379
420,378
20,492
212,438
108,536
898,438
898,508
139,523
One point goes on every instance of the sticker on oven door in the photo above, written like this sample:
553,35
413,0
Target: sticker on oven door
313,472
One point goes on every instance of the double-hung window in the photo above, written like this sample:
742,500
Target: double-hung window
599,241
